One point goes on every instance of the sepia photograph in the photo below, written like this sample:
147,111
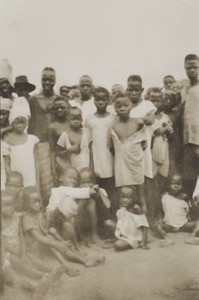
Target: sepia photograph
99,116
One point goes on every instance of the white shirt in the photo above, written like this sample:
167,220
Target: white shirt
64,193
175,211
140,111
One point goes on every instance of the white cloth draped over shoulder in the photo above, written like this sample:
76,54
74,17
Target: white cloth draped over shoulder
129,159
140,111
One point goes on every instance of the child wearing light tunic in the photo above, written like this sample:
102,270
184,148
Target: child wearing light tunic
19,148
75,141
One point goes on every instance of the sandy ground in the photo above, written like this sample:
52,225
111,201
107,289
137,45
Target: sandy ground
159,273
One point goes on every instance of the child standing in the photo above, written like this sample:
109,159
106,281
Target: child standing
60,109
99,125
176,209
173,110
19,149
160,150
128,135
75,141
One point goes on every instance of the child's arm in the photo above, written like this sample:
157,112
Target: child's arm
7,164
149,118
36,166
144,241
5,130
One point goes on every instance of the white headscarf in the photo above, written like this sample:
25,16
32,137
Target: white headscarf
5,104
20,108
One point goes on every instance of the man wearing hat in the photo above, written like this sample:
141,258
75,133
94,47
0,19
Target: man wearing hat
23,87
40,108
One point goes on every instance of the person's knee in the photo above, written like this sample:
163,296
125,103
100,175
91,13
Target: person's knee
117,246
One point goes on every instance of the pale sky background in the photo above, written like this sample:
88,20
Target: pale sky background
106,39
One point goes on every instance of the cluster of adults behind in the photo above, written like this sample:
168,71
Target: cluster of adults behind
89,166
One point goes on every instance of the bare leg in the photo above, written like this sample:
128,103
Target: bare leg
93,217
24,268
68,269
121,245
46,283
68,233
38,263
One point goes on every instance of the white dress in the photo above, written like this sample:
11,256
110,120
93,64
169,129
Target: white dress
22,159
100,134
129,157
175,211
140,111
160,149
81,160
128,227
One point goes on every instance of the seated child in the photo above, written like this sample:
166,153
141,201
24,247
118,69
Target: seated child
132,226
15,257
175,209
74,142
14,183
62,208
37,240
87,207
128,136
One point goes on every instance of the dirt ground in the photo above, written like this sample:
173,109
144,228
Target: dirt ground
159,273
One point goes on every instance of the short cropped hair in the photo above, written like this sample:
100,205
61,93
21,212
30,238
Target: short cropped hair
121,95
101,89
134,78
191,57
49,69
89,171
155,90
74,108
27,191
168,76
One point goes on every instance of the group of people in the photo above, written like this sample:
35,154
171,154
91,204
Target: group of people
89,166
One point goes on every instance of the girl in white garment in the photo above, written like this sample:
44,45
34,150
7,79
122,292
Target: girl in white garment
20,147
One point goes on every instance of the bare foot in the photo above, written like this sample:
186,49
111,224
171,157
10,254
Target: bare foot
46,282
160,230
166,242
97,241
72,272
94,261
192,241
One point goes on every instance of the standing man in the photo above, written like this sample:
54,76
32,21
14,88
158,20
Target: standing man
190,120
86,102
40,107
